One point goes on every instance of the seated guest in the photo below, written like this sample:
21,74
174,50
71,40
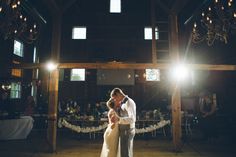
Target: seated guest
30,104
4,102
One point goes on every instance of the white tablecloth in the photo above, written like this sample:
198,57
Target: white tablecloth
16,128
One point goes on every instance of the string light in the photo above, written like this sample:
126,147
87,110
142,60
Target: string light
216,23
15,22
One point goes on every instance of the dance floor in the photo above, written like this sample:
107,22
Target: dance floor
74,146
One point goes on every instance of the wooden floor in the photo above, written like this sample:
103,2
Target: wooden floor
73,146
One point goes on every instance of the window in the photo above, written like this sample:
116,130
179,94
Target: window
18,48
35,55
33,90
148,33
16,72
115,6
152,75
79,33
37,74
15,90
77,75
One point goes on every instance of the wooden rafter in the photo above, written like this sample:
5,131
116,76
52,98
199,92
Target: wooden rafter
178,6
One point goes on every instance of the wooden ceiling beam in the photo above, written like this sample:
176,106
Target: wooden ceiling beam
119,65
115,65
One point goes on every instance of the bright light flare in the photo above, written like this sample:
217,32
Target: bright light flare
51,66
180,72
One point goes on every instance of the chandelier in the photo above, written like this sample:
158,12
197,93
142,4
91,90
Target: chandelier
15,22
217,22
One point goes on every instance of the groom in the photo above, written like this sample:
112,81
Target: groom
126,110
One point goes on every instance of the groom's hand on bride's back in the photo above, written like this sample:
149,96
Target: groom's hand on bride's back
114,119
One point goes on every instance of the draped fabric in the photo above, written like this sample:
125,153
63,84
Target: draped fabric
16,128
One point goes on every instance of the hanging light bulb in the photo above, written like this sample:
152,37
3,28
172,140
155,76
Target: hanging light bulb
11,14
216,22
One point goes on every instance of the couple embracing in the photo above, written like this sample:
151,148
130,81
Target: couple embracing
119,135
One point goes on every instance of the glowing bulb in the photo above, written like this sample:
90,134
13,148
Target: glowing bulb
51,66
210,21
15,31
25,19
195,25
209,8
234,14
216,1
18,2
229,4
208,18
222,8
0,9
31,30
180,72
203,14
21,16
34,25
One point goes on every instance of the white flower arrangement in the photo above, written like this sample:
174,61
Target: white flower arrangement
62,122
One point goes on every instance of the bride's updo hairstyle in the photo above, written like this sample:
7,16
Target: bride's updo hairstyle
110,104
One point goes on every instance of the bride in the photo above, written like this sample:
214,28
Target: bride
111,135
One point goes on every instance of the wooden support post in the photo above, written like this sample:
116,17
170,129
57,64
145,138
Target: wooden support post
52,109
176,117
176,96
53,83
153,20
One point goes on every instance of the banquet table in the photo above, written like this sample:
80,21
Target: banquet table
12,129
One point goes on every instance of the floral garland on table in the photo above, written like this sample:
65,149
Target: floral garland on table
62,122
154,127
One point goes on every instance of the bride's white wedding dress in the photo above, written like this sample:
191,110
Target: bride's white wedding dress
111,139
